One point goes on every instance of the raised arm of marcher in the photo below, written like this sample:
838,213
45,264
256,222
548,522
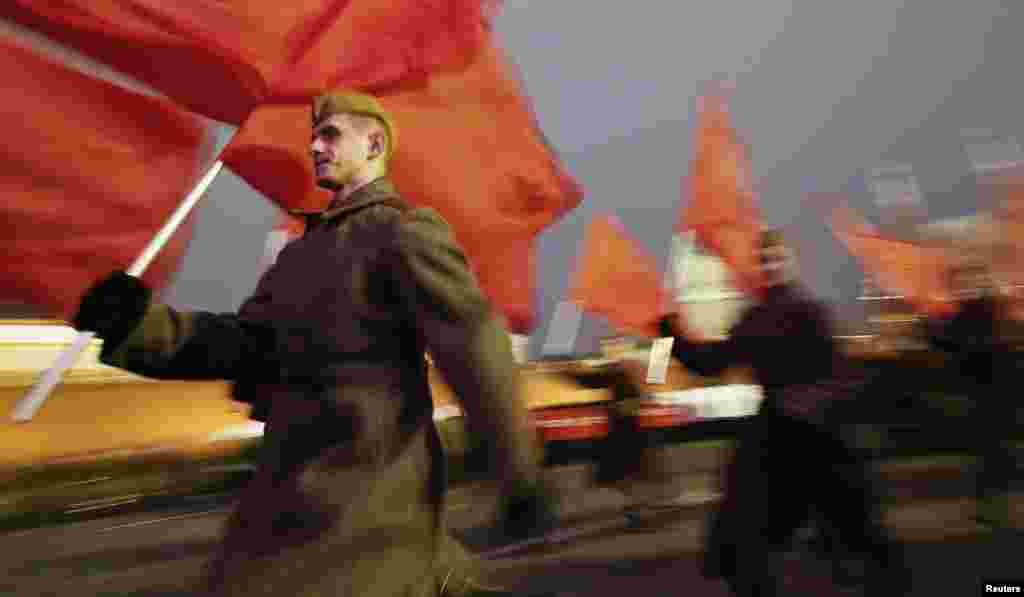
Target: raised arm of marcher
157,341
172,344
704,358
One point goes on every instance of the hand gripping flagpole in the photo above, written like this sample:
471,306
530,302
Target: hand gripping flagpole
27,407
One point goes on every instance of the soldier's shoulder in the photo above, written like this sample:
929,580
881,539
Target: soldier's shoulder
394,207
399,222
386,212
417,220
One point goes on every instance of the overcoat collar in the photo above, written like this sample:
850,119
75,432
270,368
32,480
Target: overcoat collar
376,191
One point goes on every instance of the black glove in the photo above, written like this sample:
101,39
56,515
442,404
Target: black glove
526,510
666,326
113,307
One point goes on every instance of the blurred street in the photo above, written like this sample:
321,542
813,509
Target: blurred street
597,552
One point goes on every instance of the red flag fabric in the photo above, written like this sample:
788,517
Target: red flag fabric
617,279
222,58
917,272
469,147
91,171
271,153
722,208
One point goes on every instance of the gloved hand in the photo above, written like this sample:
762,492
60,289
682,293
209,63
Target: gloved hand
669,326
113,307
526,510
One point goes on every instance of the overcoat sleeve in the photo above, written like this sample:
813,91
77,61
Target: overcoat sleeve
466,338
172,344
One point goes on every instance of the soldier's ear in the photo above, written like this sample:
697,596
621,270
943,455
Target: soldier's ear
376,145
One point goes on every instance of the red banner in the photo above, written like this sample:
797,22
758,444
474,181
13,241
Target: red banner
91,172
722,206
618,280
916,272
223,58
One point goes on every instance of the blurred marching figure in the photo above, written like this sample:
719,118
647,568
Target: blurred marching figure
972,309
786,337
790,456
985,336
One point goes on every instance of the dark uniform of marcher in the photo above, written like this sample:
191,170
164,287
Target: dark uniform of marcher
789,458
348,499
988,347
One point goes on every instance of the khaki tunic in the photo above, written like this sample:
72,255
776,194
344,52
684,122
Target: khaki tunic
349,495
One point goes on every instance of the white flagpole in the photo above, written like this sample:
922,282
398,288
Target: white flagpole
27,407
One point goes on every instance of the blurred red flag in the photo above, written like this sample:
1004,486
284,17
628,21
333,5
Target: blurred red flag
469,146
222,58
90,173
722,208
616,278
917,272
271,152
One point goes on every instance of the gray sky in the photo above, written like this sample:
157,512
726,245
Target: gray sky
825,89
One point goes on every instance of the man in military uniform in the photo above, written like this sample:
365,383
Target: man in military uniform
349,495
788,458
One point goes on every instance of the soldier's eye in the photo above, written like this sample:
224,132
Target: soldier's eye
329,133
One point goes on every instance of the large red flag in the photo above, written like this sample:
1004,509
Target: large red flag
914,271
616,278
90,172
469,147
222,58
722,208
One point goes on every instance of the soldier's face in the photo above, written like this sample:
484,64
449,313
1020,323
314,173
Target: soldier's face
342,148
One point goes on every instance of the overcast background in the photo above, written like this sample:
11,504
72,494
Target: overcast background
826,89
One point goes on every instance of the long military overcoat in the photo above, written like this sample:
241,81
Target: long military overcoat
348,498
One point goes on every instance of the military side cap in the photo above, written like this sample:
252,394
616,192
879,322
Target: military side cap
352,102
